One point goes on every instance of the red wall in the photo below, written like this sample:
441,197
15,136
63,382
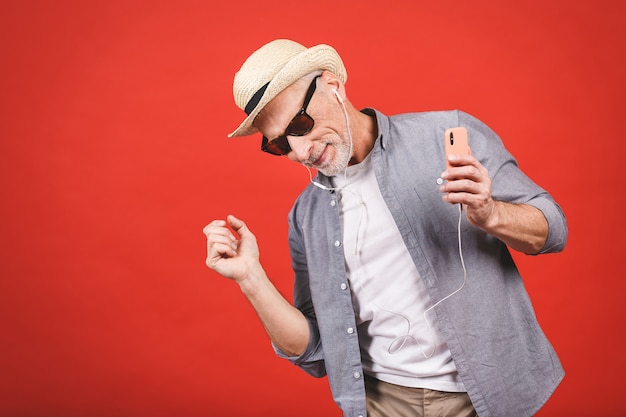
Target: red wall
113,156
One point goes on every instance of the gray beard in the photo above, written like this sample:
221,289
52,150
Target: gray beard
339,163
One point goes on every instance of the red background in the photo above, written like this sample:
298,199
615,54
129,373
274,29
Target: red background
113,156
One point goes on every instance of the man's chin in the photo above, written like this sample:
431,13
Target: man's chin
335,164
330,171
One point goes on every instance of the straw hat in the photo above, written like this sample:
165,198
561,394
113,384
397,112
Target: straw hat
274,67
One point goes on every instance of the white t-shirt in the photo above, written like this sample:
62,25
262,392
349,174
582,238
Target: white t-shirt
398,335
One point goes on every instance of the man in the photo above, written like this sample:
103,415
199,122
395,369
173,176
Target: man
405,295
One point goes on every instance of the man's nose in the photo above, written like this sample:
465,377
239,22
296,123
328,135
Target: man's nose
301,148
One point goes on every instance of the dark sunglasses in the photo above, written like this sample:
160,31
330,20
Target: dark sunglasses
300,125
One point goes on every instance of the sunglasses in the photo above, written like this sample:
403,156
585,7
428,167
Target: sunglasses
300,125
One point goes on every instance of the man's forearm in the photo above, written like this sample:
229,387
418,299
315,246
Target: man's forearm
522,227
286,325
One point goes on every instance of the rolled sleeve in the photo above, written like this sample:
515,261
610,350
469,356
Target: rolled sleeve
312,359
557,224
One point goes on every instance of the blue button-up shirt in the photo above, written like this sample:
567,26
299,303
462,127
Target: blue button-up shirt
505,361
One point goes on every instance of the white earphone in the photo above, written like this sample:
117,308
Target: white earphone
338,96
322,186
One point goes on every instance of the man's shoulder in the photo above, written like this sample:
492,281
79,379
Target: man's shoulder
429,117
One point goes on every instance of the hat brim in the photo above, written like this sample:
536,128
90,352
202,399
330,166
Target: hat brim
320,57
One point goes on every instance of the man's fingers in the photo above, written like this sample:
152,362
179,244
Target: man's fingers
221,243
238,225
218,251
218,227
214,239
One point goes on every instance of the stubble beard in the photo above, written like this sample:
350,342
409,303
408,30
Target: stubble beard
339,162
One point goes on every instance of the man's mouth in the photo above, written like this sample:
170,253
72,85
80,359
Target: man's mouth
320,159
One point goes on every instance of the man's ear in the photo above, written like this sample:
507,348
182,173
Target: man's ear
334,83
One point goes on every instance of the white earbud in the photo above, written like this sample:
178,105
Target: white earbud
338,96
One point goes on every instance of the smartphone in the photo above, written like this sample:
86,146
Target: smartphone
456,142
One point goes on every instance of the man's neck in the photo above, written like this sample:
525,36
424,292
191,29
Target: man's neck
365,131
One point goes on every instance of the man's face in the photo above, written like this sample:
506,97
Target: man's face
327,146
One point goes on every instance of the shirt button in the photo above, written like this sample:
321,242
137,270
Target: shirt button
344,286
356,375
333,203
350,330
337,243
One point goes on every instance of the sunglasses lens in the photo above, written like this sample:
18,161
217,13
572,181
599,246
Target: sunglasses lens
300,125
278,146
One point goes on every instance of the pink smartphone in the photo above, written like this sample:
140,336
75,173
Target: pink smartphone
456,142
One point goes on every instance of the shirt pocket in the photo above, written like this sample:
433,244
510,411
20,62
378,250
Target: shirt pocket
437,215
